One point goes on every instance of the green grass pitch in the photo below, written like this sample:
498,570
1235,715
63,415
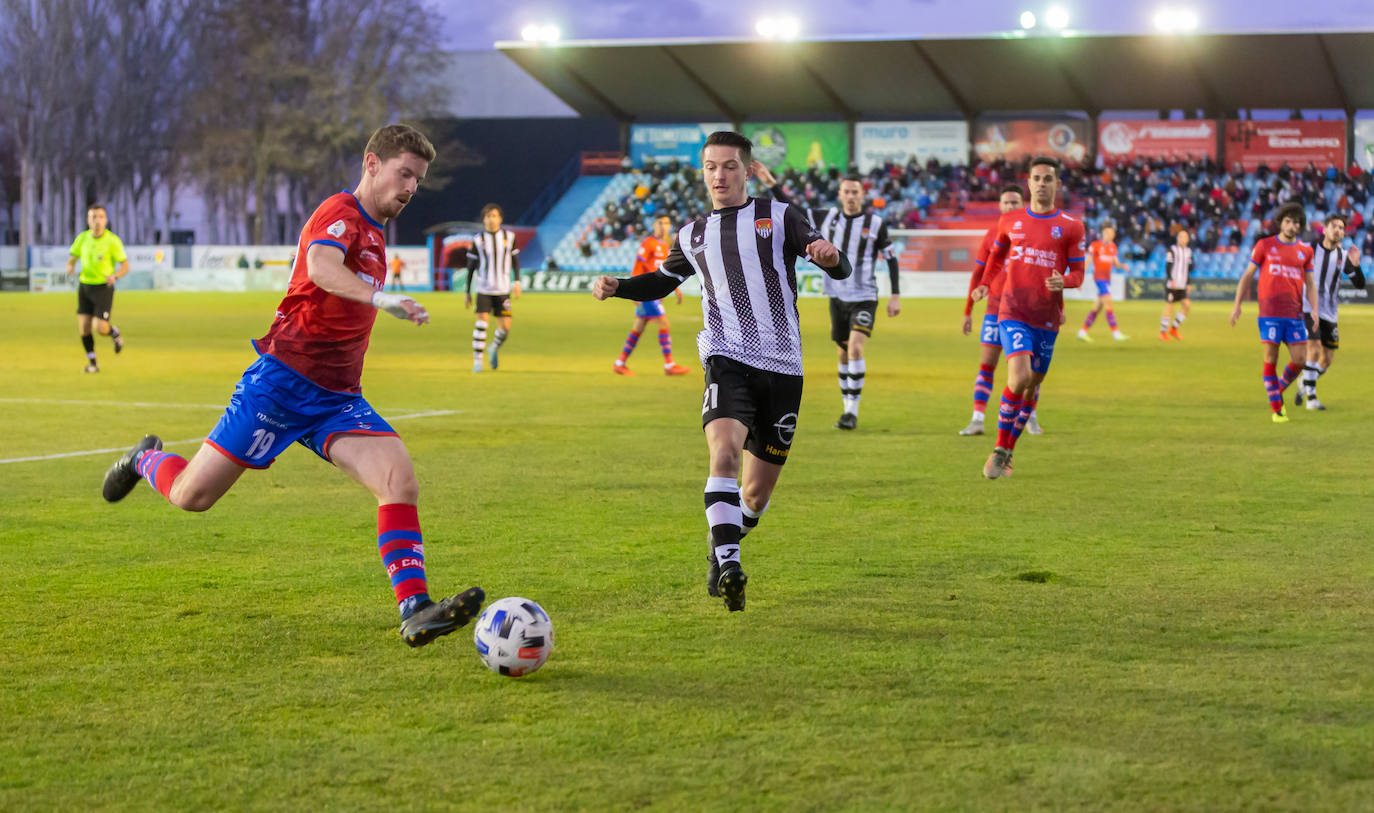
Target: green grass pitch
1170,606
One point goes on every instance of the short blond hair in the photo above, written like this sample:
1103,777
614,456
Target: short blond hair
395,139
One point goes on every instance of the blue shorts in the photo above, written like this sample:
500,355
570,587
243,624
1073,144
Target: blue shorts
1104,287
1019,338
649,310
989,334
273,406
1275,330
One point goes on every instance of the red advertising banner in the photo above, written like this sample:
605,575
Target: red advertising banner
1065,139
1124,141
1275,143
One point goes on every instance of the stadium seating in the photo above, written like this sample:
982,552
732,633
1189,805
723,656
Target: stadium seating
1148,201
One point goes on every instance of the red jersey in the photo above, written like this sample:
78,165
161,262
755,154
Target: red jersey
1035,246
319,335
1283,270
652,252
986,271
1104,258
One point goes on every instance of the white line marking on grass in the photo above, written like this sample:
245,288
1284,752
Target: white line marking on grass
92,451
428,414
68,402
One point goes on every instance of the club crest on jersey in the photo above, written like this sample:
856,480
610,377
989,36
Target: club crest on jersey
336,229
1056,232
763,227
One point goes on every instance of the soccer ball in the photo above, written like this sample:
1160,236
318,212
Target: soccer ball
514,636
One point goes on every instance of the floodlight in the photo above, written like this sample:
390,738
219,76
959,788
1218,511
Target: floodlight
778,28
1028,20
1057,17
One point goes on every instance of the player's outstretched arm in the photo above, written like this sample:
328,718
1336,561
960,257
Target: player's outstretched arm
642,288
324,264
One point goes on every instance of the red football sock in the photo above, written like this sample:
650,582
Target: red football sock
160,469
402,549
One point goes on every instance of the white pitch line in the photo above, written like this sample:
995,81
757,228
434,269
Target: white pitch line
68,402
429,414
71,402
92,451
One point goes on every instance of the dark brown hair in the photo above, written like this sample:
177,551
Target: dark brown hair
729,138
1291,209
395,139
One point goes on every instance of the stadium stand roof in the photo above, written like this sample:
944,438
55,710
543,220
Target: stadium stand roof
741,80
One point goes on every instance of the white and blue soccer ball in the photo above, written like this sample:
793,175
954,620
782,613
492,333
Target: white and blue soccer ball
514,636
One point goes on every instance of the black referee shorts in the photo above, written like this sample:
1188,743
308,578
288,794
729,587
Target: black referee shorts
766,403
94,300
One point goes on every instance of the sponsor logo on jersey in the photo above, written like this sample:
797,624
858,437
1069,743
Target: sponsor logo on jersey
337,228
1016,226
763,227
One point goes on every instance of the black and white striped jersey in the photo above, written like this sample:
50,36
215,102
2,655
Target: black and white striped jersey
1178,265
494,260
863,239
1329,265
746,257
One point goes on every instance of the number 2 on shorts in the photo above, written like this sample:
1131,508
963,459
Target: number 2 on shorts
711,398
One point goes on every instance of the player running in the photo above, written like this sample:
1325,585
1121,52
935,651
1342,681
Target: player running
1178,268
103,260
864,239
1103,255
305,386
495,261
1285,272
652,252
750,347
1036,244
1329,261
986,281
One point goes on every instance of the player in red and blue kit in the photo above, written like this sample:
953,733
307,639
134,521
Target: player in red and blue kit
652,252
986,281
305,386
1284,265
1036,245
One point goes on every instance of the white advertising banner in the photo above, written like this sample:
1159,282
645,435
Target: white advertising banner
213,268
877,142
1364,144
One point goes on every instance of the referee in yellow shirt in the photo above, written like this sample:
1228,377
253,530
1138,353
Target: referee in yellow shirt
102,262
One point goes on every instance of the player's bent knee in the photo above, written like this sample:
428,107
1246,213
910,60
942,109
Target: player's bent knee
192,499
401,488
